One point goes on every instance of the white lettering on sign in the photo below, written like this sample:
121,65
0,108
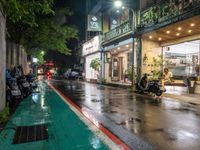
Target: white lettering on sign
91,46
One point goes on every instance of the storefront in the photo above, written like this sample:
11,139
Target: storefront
118,60
176,47
90,52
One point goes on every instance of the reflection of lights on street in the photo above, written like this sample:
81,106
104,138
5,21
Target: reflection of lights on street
42,102
35,97
171,104
90,117
95,142
185,135
48,77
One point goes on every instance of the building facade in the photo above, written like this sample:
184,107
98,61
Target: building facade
147,36
16,55
91,52
118,46
3,59
170,35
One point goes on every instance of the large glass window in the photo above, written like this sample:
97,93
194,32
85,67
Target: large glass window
183,59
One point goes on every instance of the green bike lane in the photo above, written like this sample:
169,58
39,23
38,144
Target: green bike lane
65,129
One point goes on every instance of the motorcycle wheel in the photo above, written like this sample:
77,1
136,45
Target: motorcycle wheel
158,93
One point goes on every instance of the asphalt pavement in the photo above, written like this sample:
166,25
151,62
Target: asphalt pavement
139,121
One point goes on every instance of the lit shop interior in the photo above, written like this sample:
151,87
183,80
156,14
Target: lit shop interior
177,45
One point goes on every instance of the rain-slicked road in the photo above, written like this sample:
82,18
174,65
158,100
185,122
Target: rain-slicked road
139,121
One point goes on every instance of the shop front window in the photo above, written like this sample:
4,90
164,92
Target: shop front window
115,67
183,59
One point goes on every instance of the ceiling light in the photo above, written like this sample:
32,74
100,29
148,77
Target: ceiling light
160,39
118,11
168,32
179,28
192,24
177,34
189,31
118,48
150,37
127,45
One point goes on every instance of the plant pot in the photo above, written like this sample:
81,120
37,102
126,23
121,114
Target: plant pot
191,90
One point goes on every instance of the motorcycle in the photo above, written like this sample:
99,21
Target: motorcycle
151,86
32,81
13,93
24,86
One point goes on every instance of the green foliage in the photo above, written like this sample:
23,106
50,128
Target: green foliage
131,72
37,54
4,115
49,35
26,12
95,64
36,26
157,65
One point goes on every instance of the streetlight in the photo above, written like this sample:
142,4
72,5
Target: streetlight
118,4
42,52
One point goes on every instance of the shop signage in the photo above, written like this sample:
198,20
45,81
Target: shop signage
118,31
94,23
91,46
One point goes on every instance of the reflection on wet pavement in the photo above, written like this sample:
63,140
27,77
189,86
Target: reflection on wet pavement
139,121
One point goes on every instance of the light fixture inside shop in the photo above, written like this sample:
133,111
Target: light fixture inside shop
189,31
168,32
179,28
127,45
177,34
150,37
117,11
118,48
159,39
192,24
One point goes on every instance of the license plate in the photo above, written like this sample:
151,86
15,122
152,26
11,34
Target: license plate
25,84
16,92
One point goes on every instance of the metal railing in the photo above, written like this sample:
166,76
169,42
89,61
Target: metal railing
165,10
118,31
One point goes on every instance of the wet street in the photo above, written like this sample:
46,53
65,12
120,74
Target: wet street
139,121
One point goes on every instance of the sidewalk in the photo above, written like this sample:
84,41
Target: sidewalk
44,121
184,97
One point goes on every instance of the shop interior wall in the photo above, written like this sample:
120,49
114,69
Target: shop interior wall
152,50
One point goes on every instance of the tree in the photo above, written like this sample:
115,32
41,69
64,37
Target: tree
95,64
34,25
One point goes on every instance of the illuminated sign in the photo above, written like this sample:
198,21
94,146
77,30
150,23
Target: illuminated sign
94,23
91,46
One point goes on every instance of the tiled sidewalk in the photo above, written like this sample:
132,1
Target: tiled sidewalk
65,129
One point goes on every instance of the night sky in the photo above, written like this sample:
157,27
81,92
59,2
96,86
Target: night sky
77,20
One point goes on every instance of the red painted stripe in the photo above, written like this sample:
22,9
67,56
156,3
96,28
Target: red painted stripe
115,139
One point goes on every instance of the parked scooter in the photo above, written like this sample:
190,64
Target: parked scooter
32,81
152,86
24,86
13,93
